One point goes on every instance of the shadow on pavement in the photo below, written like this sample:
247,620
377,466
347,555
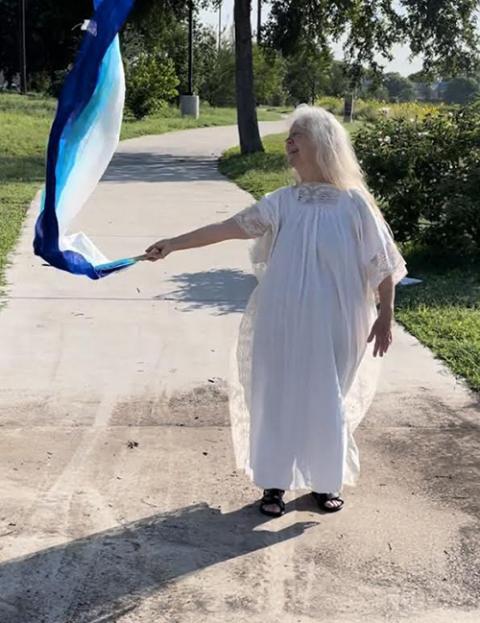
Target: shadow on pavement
224,291
103,575
148,167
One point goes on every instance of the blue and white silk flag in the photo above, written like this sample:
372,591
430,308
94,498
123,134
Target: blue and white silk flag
83,138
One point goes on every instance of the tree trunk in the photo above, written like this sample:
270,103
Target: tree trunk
250,140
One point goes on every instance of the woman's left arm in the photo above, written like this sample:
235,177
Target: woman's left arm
382,327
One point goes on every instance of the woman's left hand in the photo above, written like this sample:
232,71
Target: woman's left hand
382,332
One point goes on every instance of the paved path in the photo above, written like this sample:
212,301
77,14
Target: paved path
119,497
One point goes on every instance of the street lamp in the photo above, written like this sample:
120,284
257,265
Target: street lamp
23,49
219,25
190,48
190,103
259,22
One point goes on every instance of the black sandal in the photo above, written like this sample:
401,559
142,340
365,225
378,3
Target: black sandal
322,498
272,496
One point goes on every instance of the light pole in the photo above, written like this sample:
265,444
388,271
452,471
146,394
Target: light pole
190,48
23,49
259,22
219,25
190,103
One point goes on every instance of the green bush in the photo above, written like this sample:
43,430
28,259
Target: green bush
40,82
218,88
151,82
269,73
218,85
332,104
369,112
426,174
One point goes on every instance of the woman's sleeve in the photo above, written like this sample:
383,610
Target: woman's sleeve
379,252
257,219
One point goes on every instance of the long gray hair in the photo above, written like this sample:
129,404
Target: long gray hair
336,157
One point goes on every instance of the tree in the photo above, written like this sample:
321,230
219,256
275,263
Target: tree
52,38
151,82
308,74
399,89
249,134
205,54
372,86
53,32
158,28
444,32
422,76
423,83
461,90
269,74
339,81
218,88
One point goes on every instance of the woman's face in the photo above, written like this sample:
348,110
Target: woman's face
301,152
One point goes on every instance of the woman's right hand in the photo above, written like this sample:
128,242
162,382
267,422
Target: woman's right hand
209,234
159,250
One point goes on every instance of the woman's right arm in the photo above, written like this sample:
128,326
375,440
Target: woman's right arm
210,234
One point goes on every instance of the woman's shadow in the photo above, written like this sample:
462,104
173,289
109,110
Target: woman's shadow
103,575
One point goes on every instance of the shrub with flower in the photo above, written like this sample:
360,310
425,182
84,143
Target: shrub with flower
426,174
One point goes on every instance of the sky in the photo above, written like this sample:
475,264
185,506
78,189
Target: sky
400,64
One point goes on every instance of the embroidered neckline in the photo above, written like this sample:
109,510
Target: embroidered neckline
310,191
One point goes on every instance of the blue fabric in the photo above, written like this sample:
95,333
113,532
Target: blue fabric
76,129
80,102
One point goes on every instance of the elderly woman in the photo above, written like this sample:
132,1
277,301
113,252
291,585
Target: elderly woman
327,265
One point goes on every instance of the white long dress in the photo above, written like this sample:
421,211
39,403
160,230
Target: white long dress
303,375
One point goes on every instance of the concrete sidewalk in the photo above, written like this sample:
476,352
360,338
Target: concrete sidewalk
119,497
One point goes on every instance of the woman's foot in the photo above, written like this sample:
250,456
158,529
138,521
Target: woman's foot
272,503
329,502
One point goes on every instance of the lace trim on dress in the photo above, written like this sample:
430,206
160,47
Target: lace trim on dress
385,258
251,221
314,191
386,263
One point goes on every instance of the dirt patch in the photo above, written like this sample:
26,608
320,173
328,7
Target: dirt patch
434,455
204,405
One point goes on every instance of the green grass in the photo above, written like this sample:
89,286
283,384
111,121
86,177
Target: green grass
24,127
443,312
169,120
261,172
